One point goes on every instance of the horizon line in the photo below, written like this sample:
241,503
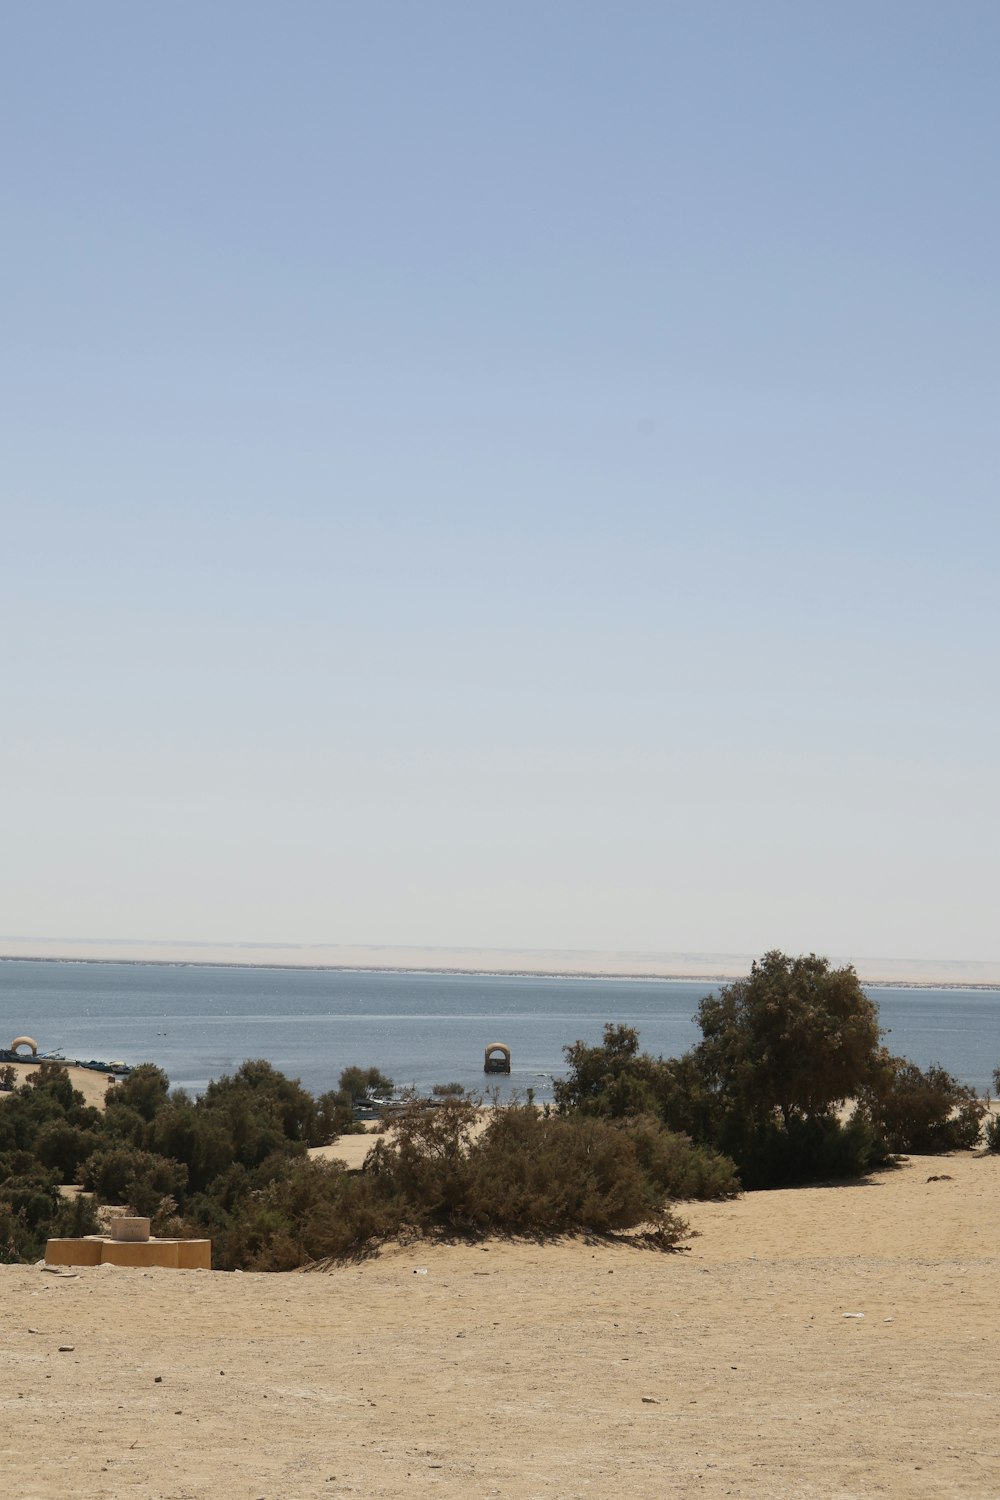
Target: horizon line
631,964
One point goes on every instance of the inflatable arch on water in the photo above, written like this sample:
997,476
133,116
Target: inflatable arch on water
25,1041
497,1058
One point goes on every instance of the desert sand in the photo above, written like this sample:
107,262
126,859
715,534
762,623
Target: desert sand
730,1367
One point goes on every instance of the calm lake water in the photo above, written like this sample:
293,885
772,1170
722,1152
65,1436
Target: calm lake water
421,1029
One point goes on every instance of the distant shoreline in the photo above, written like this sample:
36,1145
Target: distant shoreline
453,971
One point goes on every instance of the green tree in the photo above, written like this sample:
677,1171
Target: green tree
273,1102
618,1082
140,1179
335,1116
52,1081
922,1110
145,1090
61,1147
615,1080
359,1083
796,1036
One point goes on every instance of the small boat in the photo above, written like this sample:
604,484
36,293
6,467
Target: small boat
497,1059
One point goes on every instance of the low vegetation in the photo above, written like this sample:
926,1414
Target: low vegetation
924,1110
783,1051
992,1131
525,1173
759,1102
233,1165
160,1152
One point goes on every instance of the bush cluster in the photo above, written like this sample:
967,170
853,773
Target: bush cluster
437,1173
782,1051
233,1165
992,1131
32,1122
922,1110
163,1154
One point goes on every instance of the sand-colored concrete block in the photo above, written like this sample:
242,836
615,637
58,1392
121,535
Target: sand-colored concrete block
144,1253
133,1230
73,1252
96,1250
194,1255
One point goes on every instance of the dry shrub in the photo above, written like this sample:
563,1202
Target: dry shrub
529,1173
317,1211
140,1179
438,1173
561,1175
678,1168
923,1110
992,1131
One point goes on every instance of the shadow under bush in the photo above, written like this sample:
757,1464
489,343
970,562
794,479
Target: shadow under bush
813,1149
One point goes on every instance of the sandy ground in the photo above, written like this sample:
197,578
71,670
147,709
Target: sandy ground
350,1149
92,1085
519,1370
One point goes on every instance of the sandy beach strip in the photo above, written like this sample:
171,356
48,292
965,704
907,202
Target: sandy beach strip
92,1084
736,1367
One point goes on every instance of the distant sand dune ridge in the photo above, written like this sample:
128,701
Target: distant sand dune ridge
638,963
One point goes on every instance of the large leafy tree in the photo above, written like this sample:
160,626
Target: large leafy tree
795,1035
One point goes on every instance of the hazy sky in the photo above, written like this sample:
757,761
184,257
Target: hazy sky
501,473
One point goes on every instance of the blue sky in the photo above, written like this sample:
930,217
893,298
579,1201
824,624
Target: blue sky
501,474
